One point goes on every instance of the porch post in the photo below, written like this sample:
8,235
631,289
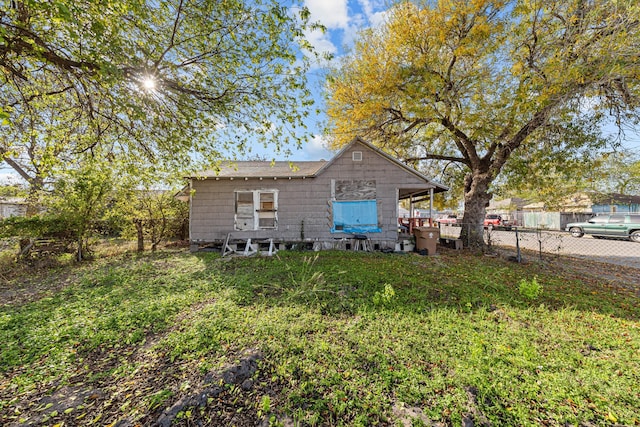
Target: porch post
431,207
411,207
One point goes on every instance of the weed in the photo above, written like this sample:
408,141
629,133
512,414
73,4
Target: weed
158,399
305,276
530,289
385,297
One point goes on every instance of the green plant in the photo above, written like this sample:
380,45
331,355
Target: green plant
530,289
305,276
385,297
264,407
158,399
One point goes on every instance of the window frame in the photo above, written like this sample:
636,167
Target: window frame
346,194
259,212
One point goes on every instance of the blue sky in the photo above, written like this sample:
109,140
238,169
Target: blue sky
342,19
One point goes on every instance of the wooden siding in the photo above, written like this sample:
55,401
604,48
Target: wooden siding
304,204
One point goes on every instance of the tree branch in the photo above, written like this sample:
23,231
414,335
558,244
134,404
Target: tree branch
173,35
437,157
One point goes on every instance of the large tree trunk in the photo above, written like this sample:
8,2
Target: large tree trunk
476,200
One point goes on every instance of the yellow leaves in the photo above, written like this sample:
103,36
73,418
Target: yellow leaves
517,68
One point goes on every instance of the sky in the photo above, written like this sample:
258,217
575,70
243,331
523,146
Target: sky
342,20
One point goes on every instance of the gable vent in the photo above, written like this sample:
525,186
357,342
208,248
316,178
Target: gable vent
357,156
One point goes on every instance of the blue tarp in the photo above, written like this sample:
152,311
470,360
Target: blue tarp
355,217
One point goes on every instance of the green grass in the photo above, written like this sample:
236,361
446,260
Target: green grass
346,338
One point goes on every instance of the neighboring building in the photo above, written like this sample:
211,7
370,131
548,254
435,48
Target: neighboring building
12,206
577,208
615,203
356,192
506,206
511,210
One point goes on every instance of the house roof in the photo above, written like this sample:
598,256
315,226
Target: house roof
509,203
264,169
589,199
614,198
302,169
13,200
437,187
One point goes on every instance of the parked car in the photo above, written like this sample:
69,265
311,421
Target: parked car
619,225
492,220
447,219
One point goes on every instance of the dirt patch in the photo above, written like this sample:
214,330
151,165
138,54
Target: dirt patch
156,392
29,285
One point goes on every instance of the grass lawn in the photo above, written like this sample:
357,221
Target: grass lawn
344,339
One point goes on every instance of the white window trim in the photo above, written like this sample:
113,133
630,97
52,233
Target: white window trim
356,156
256,209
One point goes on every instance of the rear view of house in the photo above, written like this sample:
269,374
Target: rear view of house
321,202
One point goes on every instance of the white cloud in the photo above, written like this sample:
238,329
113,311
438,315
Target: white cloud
321,42
343,20
378,18
316,149
331,13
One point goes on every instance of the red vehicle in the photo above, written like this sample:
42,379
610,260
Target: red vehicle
492,220
495,221
448,219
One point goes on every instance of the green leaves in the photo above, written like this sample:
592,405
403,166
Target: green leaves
73,76
63,11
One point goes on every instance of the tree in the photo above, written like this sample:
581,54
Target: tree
152,214
619,172
167,82
79,198
482,82
566,161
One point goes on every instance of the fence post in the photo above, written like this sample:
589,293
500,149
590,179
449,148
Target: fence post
518,254
539,234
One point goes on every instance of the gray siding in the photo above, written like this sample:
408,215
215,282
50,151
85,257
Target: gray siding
303,200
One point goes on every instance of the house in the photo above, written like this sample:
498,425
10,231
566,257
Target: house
615,203
505,206
12,206
320,203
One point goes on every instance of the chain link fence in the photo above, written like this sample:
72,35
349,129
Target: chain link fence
543,243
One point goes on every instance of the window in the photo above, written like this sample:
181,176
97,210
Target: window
357,156
354,207
599,219
256,210
616,219
267,211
